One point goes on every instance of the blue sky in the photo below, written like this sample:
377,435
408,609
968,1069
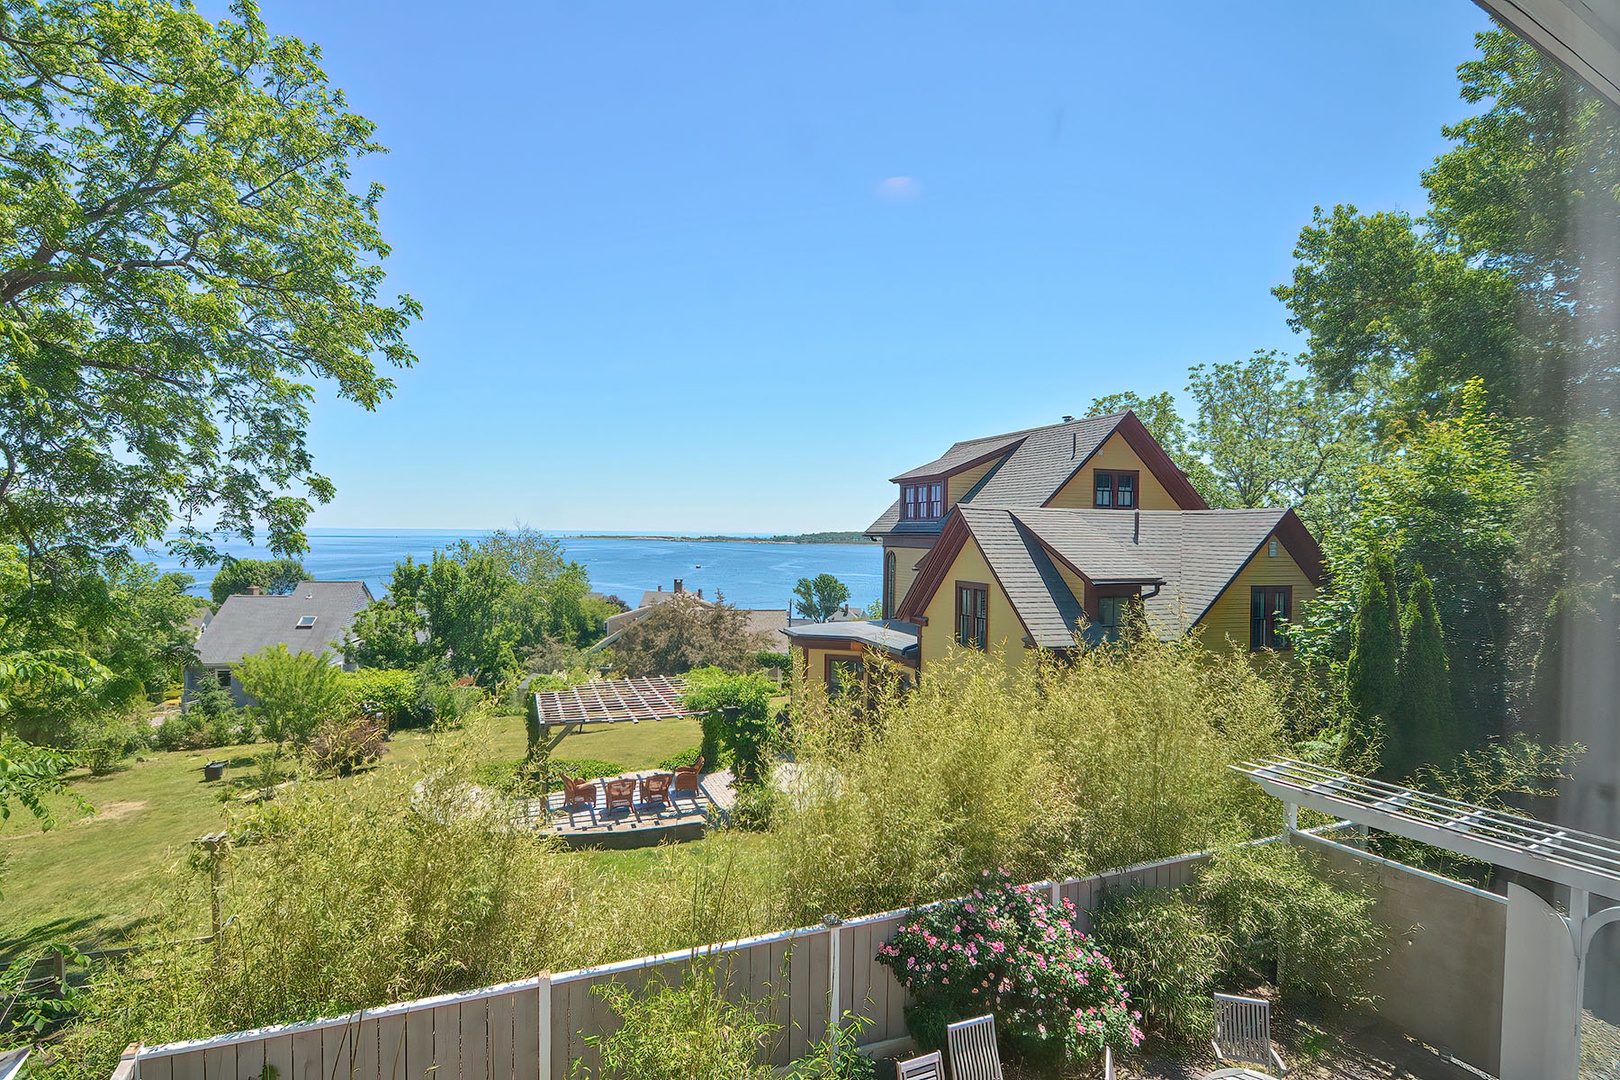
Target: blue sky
728,267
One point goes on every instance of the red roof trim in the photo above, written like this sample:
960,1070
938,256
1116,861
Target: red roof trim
1141,440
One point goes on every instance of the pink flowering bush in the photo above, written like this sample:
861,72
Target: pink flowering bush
1008,950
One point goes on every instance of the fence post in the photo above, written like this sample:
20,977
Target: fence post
544,1028
835,993
126,1063
59,971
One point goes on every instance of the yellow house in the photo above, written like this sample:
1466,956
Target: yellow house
1039,539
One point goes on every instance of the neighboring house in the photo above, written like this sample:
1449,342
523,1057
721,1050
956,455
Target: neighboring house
1039,539
313,617
763,624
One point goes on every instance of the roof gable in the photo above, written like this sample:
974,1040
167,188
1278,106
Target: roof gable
246,624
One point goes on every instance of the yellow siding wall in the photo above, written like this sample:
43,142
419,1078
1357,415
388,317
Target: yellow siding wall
905,570
1116,453
960,484
939,636
1226,625
816,672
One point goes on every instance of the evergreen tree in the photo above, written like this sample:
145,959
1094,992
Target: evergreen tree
1375,648
1428,719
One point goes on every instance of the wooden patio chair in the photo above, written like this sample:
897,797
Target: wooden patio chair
620,792
921,1067
655,789
971,1045
684,781
579,795
1243,1035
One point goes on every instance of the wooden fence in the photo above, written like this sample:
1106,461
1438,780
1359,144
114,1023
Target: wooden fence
535,1029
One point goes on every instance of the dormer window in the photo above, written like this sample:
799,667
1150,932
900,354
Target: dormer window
1116,490
306,622
922,502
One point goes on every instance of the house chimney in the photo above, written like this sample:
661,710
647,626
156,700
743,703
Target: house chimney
680,585
1136,528
700,594
253,590
660,586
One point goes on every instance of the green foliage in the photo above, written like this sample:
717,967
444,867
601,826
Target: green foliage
1372,674
820,597
685,1030
273,576
293,693
27,775
778,661
82,639
1427,719
736,717
685,633
1010,951
386,695
105,741
581,769
1113,758
1169,957
1267,901
755,807
479,606
343,744
847,1064
683,760
166,177
1268,439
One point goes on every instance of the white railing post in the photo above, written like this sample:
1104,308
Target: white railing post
835,996
544,1028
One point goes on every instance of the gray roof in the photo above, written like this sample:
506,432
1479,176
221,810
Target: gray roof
963,454
891,635
1195,553
245,624
1036,464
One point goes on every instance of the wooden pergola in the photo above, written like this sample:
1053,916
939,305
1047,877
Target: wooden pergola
610,701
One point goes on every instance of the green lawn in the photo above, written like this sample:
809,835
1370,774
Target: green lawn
88,880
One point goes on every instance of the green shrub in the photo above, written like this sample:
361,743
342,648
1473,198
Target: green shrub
104,741
736,717
386,695
1271,900
1167,954
754,808
778,661
341,745
683,760
685,1031
1010,951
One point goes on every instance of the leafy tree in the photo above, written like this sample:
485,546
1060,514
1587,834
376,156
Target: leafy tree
480,606
1268,439
736,711
182,251
293,693
103,637
685,633
1373,671
820,597
1427,719
274,576
1511,276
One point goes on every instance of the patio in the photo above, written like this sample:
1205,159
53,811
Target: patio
645,823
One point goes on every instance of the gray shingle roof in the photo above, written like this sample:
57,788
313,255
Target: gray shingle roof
1196,553
246,624
892,635
963,454
1037,463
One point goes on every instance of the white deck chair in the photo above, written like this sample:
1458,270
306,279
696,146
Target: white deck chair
972,1048
1243,1034
921,1067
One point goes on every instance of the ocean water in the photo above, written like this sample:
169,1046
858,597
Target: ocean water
750,575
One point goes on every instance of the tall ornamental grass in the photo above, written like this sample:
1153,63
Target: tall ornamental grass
1115,757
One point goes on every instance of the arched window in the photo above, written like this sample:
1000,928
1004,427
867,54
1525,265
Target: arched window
888,585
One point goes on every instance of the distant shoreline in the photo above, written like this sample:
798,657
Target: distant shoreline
791,538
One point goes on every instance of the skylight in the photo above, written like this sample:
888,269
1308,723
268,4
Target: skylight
306,622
